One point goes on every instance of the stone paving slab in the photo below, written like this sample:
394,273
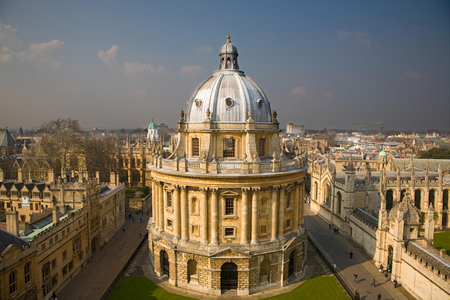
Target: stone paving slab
96,277
337,249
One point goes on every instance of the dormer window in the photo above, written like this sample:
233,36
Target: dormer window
260,103
229,102
198,103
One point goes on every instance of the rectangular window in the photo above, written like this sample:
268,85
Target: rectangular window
64,255
55,280
36,195
229,147
19,205
50,242
262,142
47,195
43,247
229,232
36,206
54,264
195,147
31,206
169,199
56,238
263,230
27,272
71,265
169,223
195,230
288,200
64,270
229,206
288,223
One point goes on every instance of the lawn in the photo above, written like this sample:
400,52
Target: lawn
325,287
442,241
134,288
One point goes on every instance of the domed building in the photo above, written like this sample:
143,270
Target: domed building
227,203
152,133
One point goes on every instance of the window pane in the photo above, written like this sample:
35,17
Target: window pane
261,147
195,147
229,206
228,147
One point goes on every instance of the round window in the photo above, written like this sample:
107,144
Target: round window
260,103
198,103
229,102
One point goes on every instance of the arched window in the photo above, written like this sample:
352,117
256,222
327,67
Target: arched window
195,147
339,202
315,191
431,197
261,149
417,198
26,272
327,199
264,272
12,282
445,199
402,195
192,271
389,199
194,206
229,147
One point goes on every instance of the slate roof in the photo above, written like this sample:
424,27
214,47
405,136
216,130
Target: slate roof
6,140
7,239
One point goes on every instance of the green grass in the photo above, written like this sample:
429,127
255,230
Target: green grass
442,241
315,288
131,288
143,288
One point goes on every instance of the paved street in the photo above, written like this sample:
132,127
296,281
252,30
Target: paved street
96,277
338,247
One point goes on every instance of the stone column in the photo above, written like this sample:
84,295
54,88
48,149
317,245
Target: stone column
296,204
214,217
161,201
154,202
282,210
204,216
302,202
275,212
244,236
177,211
255,216
184,214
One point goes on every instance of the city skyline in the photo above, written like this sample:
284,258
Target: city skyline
323,64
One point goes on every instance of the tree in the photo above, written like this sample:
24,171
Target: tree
436,153
61,140
99,156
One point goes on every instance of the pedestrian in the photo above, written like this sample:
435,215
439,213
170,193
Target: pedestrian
356,277
337,231
351,254
132,219
141,220
54,296
385,276
329,225
381,268
379,296
140,234
357,296
374,282
123,230
395,283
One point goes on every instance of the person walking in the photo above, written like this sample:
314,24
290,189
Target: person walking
374,282
356,277
337,231
329,225
351,254
54,296
357,295
141,220
395,283
123,230
140,234
379,296
385,276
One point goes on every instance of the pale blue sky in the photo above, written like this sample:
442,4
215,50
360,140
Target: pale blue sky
118,64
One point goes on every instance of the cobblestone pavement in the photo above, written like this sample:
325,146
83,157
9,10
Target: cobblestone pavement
338,247
97,276
140,266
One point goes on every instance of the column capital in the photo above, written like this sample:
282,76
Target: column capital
215,191
245,189
183,188
203,189
284,187
176,187
255,189
275,188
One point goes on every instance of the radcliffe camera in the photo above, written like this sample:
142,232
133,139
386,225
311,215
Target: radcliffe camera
251,150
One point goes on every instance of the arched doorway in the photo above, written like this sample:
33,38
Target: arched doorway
229,276
390,258
417,198
164,258
291,263
389,199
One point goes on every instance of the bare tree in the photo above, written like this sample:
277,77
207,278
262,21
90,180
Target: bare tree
99,156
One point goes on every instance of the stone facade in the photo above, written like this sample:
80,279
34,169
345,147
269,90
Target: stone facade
227,208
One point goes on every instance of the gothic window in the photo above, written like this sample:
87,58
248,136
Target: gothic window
262,142
417,198
169,199
76,245
339,200
445,199
229,147
26,272
389,199
12,282
229,206
431,197
195,147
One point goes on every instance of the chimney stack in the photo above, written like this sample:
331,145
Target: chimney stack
12,222
55,214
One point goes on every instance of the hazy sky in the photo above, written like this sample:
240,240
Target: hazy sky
118,64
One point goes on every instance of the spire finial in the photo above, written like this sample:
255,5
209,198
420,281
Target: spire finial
228,39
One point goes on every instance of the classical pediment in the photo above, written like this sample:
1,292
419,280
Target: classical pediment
230,252
229,193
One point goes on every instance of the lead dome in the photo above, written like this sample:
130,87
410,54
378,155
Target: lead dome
228,94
